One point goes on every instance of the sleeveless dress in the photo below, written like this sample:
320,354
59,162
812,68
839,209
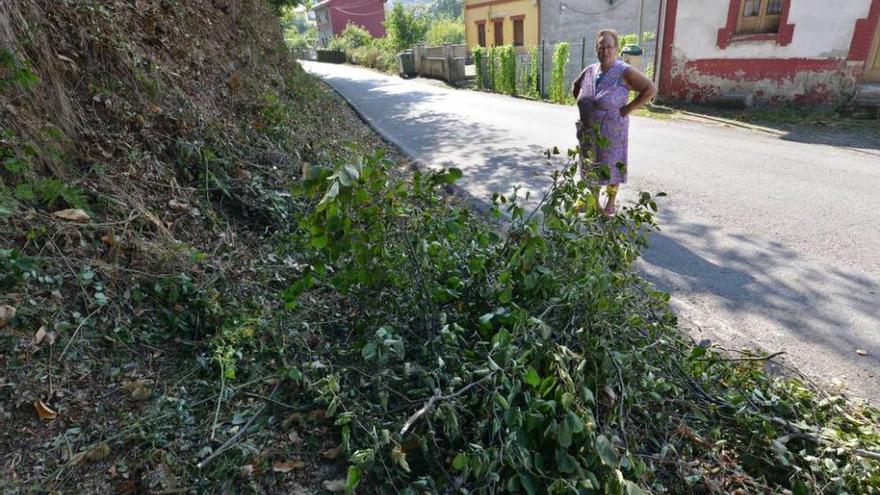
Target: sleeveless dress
599,101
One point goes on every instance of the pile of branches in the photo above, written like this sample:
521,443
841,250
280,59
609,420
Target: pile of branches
464,361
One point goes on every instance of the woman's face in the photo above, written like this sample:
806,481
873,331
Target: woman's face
606,49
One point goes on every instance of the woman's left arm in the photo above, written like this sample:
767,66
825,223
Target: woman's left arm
636,81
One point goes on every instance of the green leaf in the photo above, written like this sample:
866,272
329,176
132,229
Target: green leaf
606,451
799,488
295,374
369,351
486,320
319,242
344,178
532,377
351,171
455,173
574,422
330,194
24,192
630,488
565,462
353,478
13,165
563,434
589,398
528,483
460,462
506,296
501,339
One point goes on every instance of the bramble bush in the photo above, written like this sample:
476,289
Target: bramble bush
479,54
534,70
558,91
492,68
507,70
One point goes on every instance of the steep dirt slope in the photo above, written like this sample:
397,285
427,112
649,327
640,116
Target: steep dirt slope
148,149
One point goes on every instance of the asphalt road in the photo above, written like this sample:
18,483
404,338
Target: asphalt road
767,241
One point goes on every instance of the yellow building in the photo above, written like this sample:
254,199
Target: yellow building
502,22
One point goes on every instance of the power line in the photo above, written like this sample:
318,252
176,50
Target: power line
613,6
354,4
355,13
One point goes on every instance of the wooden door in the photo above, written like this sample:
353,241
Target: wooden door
872,66
498,28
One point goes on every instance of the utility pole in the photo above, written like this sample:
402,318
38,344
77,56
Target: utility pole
641,20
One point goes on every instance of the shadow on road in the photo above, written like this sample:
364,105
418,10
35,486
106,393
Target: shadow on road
763,288
765,281
805,125
492,163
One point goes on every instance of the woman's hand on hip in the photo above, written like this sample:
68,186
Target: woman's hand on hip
624,110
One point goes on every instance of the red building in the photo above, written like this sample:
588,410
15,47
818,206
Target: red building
333,15
804,51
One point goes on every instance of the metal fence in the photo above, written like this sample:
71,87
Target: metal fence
581,54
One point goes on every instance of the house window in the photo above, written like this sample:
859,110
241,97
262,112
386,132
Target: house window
759,16
517,32
498,28
481,34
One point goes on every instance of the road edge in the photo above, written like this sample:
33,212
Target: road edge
480,206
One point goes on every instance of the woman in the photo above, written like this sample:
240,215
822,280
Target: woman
602,94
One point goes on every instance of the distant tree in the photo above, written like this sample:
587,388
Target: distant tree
278,5
445,32
303,40
405,27
447,9
294,21
356,36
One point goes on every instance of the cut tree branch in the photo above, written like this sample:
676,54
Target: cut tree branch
438,397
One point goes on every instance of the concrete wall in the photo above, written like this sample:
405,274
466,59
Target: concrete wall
441,62
487,11
808,60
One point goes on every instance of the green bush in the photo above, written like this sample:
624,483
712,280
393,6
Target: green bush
538,361
558,90
633,38
507,70
479,54
338,44
445,32
492,68
356,36
378,56
353,36
534,80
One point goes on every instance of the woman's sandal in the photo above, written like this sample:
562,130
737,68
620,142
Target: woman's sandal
609,213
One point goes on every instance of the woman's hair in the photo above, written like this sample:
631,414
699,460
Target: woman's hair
611,32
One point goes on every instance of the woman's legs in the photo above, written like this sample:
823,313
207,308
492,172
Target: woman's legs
611,191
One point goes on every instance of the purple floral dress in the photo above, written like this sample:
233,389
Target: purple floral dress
599,100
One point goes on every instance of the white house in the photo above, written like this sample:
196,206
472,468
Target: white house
809,51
